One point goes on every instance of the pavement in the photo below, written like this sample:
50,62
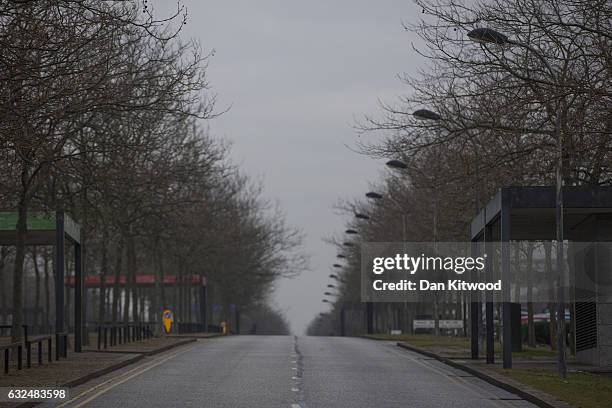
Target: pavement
283,371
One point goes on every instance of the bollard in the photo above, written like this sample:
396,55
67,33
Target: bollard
29,354
6,360
40,352
49,347
105,342
99,336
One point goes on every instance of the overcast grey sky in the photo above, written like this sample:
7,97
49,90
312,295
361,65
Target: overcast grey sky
296,74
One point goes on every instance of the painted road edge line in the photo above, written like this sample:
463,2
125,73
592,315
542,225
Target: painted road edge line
485,377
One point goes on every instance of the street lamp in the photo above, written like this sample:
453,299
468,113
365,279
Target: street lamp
337,265
331,286
428,115
425,114
351,232
487,35
400,165
336,277
396,164
375,196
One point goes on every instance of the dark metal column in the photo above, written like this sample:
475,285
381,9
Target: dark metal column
474,310
79,306
60,239
505,276
370,318
489,321
203,304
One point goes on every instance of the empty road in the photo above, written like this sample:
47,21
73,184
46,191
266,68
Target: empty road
280,371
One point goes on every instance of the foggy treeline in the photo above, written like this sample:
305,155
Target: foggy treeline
103,110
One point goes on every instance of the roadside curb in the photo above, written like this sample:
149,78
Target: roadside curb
89,377
365,336
145,353
527,393
195,336
104,371
96,374
169,346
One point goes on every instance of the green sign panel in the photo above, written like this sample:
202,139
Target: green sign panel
36,221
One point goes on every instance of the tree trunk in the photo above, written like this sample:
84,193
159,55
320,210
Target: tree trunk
531,338
36,322
159,299
131,258
67,291
116,284
103,274
179,293
552,324
47,293
20,244
3,294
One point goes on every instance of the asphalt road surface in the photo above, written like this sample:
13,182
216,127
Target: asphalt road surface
281,371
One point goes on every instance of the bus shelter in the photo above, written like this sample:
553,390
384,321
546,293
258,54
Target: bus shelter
528,214
54,230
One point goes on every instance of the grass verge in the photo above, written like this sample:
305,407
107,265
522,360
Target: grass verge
582,390
431,343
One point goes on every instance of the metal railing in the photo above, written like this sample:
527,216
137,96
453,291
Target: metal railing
39,340
112,334
7,356
61,350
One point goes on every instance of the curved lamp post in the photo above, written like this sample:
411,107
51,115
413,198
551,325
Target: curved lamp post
485,35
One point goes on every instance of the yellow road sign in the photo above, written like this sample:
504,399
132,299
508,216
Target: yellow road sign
167,320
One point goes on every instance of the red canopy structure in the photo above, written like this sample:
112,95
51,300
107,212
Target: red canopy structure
141,280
